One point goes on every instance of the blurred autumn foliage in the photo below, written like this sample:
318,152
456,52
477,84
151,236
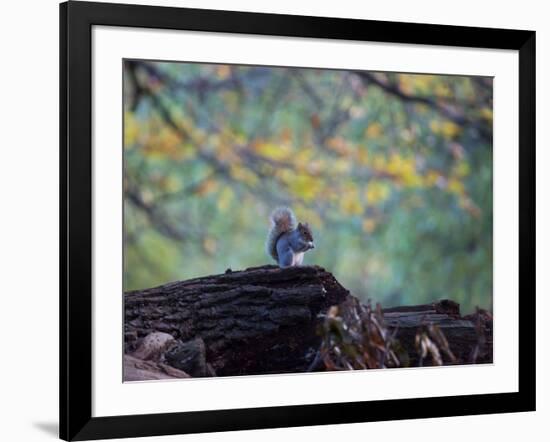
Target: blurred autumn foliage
392,171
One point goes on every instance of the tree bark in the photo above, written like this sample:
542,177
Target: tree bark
469,338
261,320
265,320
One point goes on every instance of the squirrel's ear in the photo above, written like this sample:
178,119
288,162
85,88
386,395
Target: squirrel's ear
299,225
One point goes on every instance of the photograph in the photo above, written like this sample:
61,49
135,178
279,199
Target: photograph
271,220
281,219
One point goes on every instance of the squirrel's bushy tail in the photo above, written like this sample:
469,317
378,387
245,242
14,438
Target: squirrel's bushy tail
282,221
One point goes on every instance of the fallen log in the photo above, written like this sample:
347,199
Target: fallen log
261,320
469,338
266,320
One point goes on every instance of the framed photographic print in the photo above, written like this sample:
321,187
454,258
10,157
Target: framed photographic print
274,220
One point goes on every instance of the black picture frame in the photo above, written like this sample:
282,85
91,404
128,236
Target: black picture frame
76,21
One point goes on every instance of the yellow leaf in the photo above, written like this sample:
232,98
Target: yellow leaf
455,186
349,201
243,174
401,166
272,151
487,114
450,129
225,199
310,216
376,192
305,186
363,156
131,130
461,169
442,90
341,166
447,129
379,162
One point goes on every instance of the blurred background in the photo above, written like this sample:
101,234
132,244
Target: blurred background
393,172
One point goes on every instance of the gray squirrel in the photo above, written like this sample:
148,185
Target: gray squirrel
287,242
